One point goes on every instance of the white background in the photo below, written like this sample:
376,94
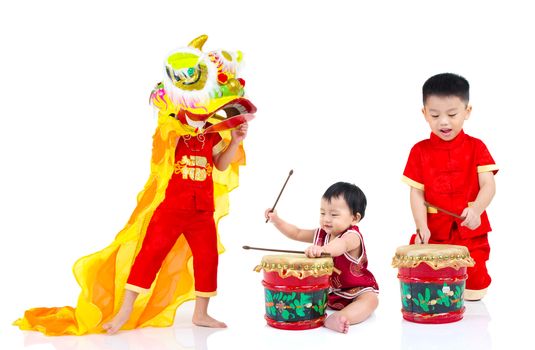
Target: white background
337,86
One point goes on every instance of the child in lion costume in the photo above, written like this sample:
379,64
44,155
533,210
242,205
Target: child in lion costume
168,251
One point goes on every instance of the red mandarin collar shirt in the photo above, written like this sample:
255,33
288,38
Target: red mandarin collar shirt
447,172
191,186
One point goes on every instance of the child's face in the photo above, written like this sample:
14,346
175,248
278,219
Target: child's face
335,216
446,115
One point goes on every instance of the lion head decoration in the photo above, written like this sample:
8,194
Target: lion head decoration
198,85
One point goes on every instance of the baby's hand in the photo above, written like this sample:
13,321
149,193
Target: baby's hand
271,215
472,219
314,251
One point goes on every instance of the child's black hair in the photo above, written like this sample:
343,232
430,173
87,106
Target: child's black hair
446,84
352,194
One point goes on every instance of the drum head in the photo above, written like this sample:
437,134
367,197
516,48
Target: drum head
435,255
296,265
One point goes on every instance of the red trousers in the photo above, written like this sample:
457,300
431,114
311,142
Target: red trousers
478,276
164,229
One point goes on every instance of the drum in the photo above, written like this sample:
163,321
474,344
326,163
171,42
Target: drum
295,290
432,279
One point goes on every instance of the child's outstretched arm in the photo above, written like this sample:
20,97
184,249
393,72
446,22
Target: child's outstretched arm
289,230
487,189
336,247
223,159
419,213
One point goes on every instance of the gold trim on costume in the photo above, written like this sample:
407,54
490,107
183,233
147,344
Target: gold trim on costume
136,288
487,168
412,183
431,210
195,168
220,147
205,294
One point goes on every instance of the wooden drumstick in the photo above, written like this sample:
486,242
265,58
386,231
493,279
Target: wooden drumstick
420,235
246,247
429,205
282,189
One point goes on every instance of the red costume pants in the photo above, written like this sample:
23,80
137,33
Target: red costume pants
164,229
478,277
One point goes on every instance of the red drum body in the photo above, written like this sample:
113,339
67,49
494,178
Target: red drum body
295,290
432,279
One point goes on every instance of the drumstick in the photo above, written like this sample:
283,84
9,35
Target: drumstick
420,235
324,255
246,247
429,205
282,189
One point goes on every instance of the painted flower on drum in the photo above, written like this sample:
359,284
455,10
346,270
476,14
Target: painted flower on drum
281,306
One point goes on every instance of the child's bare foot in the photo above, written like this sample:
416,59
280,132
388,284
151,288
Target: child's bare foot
118,321
207,321
337,322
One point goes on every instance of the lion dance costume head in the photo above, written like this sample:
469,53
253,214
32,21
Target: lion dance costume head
196,87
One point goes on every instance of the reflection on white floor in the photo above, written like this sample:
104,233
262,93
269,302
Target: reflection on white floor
472,332
183,336
454,335
488,324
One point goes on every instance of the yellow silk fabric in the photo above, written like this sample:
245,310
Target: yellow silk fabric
102,276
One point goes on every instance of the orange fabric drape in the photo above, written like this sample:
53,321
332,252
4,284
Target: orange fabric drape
102,275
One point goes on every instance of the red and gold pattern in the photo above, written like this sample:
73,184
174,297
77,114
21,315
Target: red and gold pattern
193,167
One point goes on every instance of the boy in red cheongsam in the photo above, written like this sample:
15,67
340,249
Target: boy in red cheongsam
453,171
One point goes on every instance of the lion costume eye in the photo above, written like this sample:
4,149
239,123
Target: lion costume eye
191,78
187,70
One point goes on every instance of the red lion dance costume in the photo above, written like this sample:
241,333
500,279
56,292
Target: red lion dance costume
195,87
